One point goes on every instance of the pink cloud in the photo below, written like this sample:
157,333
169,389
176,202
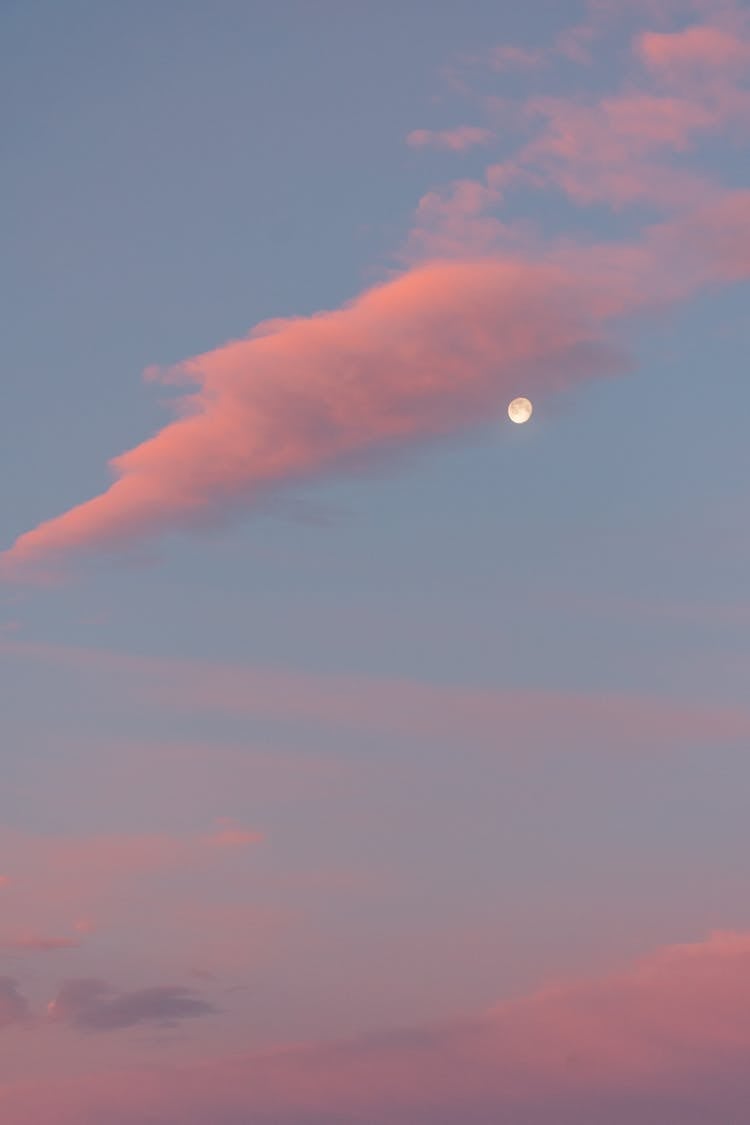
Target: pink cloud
697,47
455,222
611,151
67,881
713,243
112,855
667,1039
478,716
428,354
231,835
455,140
450,713
441,347
573,44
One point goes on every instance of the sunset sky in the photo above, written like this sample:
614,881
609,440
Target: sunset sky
368,759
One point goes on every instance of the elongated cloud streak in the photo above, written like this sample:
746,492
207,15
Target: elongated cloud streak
432,352
464,714
63,878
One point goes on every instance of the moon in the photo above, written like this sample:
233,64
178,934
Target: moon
520,410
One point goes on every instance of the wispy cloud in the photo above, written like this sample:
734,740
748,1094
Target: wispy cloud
479,716
67,882
454,140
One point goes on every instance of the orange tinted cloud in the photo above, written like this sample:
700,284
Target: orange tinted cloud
667,1039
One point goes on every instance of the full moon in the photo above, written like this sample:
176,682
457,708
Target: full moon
520,410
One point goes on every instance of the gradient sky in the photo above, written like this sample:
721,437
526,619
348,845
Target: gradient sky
367,758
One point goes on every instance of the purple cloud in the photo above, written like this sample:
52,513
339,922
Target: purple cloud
93,1005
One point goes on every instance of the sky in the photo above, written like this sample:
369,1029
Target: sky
367,758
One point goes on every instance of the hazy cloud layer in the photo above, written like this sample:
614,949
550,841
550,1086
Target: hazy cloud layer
13,1006
36,944
667,1041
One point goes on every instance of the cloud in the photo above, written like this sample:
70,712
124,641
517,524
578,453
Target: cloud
700,47
110,855
666,1040
93,1005
455,140
479,716
78,882
13,1006
610,151
485,306
36,944
228,834
615,149
428,354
